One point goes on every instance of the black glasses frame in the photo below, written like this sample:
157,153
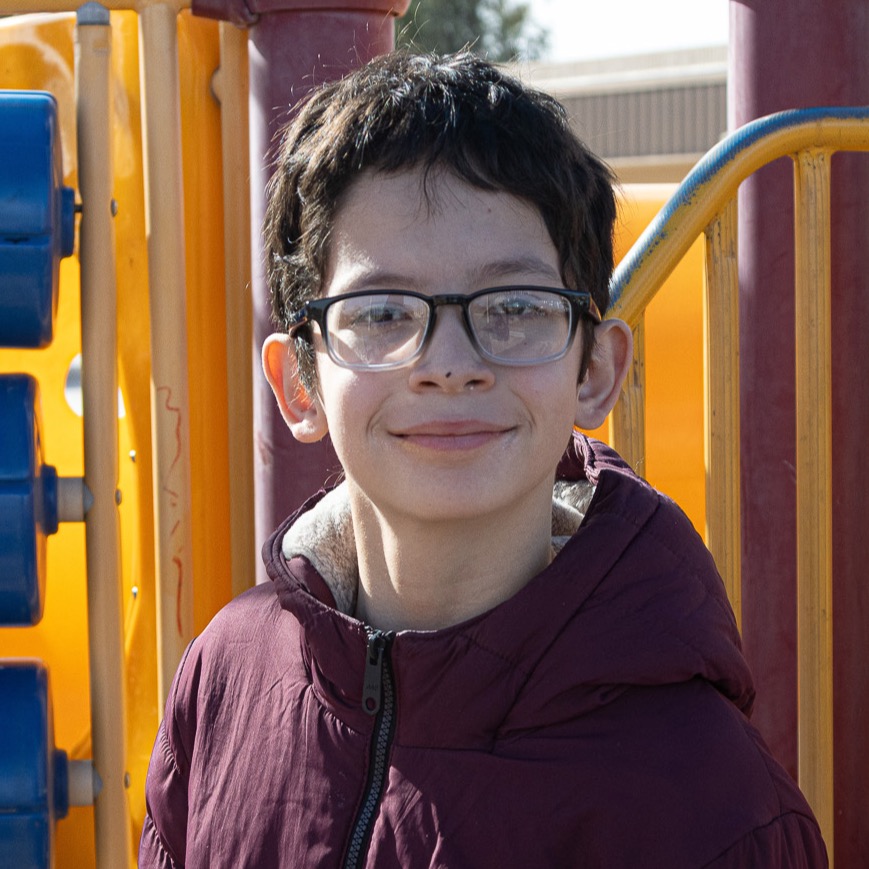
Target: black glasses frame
580,301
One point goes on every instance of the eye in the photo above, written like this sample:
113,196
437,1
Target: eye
515,306
381,313
521,305
378,311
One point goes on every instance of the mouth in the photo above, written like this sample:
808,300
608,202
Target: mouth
447,435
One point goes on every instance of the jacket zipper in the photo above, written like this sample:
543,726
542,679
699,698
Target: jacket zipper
378,699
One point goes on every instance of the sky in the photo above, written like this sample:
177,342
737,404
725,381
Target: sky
588,29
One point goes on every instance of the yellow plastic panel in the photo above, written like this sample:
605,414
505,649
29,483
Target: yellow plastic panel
36,52
674,460
198,46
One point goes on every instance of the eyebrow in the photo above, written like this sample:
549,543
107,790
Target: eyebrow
515,265
482,275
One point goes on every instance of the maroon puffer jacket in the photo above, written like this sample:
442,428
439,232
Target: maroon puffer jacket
595,719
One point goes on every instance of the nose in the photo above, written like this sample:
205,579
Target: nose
450,360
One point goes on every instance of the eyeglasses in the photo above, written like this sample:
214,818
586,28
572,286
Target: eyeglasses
384,329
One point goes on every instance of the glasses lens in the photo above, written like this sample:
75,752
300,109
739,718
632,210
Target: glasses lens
521,325
376,329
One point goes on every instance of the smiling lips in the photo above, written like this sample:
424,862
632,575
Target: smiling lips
452,435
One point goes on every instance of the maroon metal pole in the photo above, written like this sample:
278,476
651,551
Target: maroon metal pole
293,45
792,54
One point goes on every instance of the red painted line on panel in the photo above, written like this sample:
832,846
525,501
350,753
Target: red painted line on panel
177,562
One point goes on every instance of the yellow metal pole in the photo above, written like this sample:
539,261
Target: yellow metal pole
628,419
100,405
814,484
721,417
691,214
170,424
231,88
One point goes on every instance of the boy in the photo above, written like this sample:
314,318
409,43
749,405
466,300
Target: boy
452,667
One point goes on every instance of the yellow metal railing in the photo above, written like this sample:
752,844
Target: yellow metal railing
706,204
170,424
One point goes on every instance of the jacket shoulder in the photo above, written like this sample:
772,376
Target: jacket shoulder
164,832
232,641
791,841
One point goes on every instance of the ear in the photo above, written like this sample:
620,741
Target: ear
610,361
303,414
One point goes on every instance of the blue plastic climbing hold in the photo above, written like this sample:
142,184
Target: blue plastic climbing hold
37,221
33,773
28,502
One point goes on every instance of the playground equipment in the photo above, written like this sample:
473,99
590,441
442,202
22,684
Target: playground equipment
36,225
166,252
706,202
36,221
34,784
32,502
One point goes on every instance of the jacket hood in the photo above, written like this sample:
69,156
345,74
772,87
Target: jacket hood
631,597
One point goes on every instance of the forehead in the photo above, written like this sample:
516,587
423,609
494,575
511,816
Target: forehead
435,233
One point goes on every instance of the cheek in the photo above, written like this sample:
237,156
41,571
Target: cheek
349,400
552,390
555,407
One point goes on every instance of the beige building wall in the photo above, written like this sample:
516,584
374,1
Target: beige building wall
651,117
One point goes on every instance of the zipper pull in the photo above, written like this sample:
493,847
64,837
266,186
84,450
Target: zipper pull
372,688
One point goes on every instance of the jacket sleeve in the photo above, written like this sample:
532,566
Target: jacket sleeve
791,841
164,833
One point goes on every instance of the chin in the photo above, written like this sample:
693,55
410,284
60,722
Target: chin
461,506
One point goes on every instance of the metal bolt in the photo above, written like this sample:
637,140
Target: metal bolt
126,779
118,497
114,207
132,455
135,591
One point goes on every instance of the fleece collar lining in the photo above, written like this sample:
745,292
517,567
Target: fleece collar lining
324,535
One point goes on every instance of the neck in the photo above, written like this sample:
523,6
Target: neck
421,575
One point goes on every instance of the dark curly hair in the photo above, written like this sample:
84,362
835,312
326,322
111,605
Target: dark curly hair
457,113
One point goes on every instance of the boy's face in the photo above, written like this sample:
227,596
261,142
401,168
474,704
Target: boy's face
450,435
